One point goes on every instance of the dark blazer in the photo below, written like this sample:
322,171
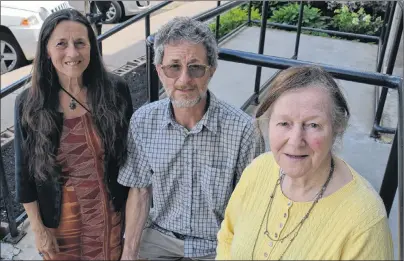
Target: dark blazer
48,194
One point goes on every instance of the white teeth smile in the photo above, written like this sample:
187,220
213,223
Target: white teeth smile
72,63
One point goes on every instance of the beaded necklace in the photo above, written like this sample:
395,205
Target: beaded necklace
296,230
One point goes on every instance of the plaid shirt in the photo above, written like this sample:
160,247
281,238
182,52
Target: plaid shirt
192,172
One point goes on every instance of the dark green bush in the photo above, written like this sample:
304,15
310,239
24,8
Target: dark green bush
258,5
289,14
232,19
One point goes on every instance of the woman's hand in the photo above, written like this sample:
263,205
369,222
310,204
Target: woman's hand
46,243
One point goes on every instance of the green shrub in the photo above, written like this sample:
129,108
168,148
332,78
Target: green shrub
373,7
289,14
258,5
360,22
232,19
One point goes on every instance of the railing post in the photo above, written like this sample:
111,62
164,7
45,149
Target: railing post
390,22
400,137
217,23
382,40
299,30
96,13
261,49
152,76
401,160
389,70
390,180
249,12
147,25
386,16
147,32
14,235
98,27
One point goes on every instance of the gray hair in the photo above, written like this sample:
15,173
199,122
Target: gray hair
185,29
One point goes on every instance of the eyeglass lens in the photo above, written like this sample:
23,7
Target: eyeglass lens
194,70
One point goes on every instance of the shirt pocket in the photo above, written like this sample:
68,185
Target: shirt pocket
216,187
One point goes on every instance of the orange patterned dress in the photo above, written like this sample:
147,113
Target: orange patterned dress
89,227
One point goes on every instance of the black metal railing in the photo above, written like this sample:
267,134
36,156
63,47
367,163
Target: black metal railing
377,129
382,41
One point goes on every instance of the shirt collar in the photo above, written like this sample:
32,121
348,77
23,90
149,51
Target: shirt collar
168,117
210,119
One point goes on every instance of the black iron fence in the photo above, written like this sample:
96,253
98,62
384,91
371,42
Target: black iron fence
382,41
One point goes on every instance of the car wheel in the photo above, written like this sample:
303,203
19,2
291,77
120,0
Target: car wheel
114,14
12,56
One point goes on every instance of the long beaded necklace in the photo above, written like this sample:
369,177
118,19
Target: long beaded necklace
300,224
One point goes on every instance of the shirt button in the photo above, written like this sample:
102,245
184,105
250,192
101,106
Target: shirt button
289,203
280,225
285,215
276,235
265,254
271,243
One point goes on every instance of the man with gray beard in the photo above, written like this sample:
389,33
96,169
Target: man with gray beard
191,148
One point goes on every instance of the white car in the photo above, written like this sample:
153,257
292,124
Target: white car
120,9
21,22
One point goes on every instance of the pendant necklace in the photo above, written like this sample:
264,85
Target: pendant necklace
73,102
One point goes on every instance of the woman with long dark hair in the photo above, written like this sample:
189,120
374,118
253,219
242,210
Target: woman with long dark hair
70,140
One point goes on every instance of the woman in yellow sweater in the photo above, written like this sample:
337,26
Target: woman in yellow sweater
301,201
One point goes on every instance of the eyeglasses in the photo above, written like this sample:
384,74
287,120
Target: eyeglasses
193,70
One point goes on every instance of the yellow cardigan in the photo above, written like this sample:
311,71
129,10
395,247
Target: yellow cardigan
346,225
